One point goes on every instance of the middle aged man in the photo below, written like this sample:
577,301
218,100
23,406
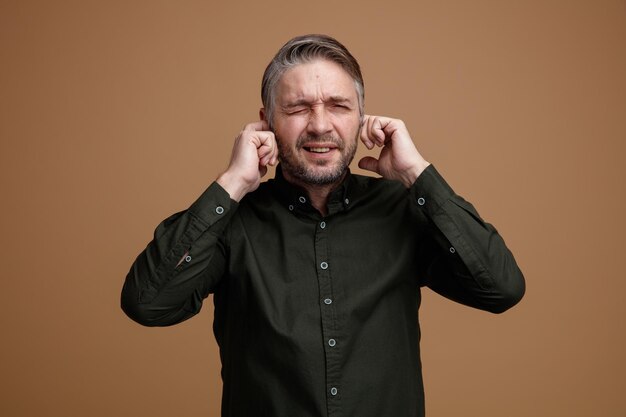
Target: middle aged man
316,274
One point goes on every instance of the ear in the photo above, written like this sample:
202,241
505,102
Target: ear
263,117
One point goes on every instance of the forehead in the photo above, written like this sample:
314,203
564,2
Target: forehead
316,80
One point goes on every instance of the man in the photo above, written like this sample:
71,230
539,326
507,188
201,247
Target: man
316,274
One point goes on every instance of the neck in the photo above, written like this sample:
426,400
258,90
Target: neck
318,193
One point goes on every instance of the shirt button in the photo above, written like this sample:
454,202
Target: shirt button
187,258
452,250
323,225
328,301
332,342
219,209
333,391
324,265
421,201
302,199
346,201
290,207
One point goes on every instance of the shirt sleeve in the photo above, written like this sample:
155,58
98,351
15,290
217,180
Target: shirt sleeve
466,260
182,264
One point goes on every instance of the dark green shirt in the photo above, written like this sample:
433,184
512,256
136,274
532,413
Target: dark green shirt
318,316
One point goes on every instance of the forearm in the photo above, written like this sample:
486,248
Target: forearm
470,261
181,265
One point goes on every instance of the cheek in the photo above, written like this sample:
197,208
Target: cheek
349,129
289,131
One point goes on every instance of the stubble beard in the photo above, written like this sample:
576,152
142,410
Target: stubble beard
301,171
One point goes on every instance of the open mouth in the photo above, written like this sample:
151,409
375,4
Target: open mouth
317,149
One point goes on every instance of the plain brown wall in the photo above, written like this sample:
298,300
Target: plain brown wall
115,114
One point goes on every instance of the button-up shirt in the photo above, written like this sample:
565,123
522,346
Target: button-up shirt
318,315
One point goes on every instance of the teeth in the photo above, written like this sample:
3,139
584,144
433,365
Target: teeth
319,150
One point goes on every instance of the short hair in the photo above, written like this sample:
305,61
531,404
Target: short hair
304,49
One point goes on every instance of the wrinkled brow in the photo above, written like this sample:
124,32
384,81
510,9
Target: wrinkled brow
306,102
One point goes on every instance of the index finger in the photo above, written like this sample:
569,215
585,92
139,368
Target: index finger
376,128
259,126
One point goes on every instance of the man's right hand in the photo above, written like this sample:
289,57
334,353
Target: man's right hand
254,149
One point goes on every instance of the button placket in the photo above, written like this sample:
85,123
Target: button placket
328,314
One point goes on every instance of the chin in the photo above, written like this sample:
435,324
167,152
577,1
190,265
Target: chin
316,172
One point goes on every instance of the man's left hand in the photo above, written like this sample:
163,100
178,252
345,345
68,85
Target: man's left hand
399,158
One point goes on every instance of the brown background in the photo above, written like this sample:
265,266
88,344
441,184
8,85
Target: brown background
115,114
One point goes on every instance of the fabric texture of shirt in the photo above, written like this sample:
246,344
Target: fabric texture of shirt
318,315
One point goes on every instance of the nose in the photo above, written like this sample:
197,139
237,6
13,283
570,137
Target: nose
319,122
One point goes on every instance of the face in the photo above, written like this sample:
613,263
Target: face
316,122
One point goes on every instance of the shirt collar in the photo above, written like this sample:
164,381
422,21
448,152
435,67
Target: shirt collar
296,198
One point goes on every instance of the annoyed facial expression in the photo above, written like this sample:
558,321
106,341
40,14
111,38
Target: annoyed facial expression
316,122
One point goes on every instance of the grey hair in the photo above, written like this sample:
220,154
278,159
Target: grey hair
304,49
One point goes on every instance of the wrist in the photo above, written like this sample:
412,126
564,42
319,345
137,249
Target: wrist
234,186
412,174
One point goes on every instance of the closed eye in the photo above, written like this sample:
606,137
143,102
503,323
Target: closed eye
341,107
296,111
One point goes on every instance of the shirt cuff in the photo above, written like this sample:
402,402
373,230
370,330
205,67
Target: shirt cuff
213,206
430,191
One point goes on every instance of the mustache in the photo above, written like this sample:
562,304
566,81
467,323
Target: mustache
319,139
